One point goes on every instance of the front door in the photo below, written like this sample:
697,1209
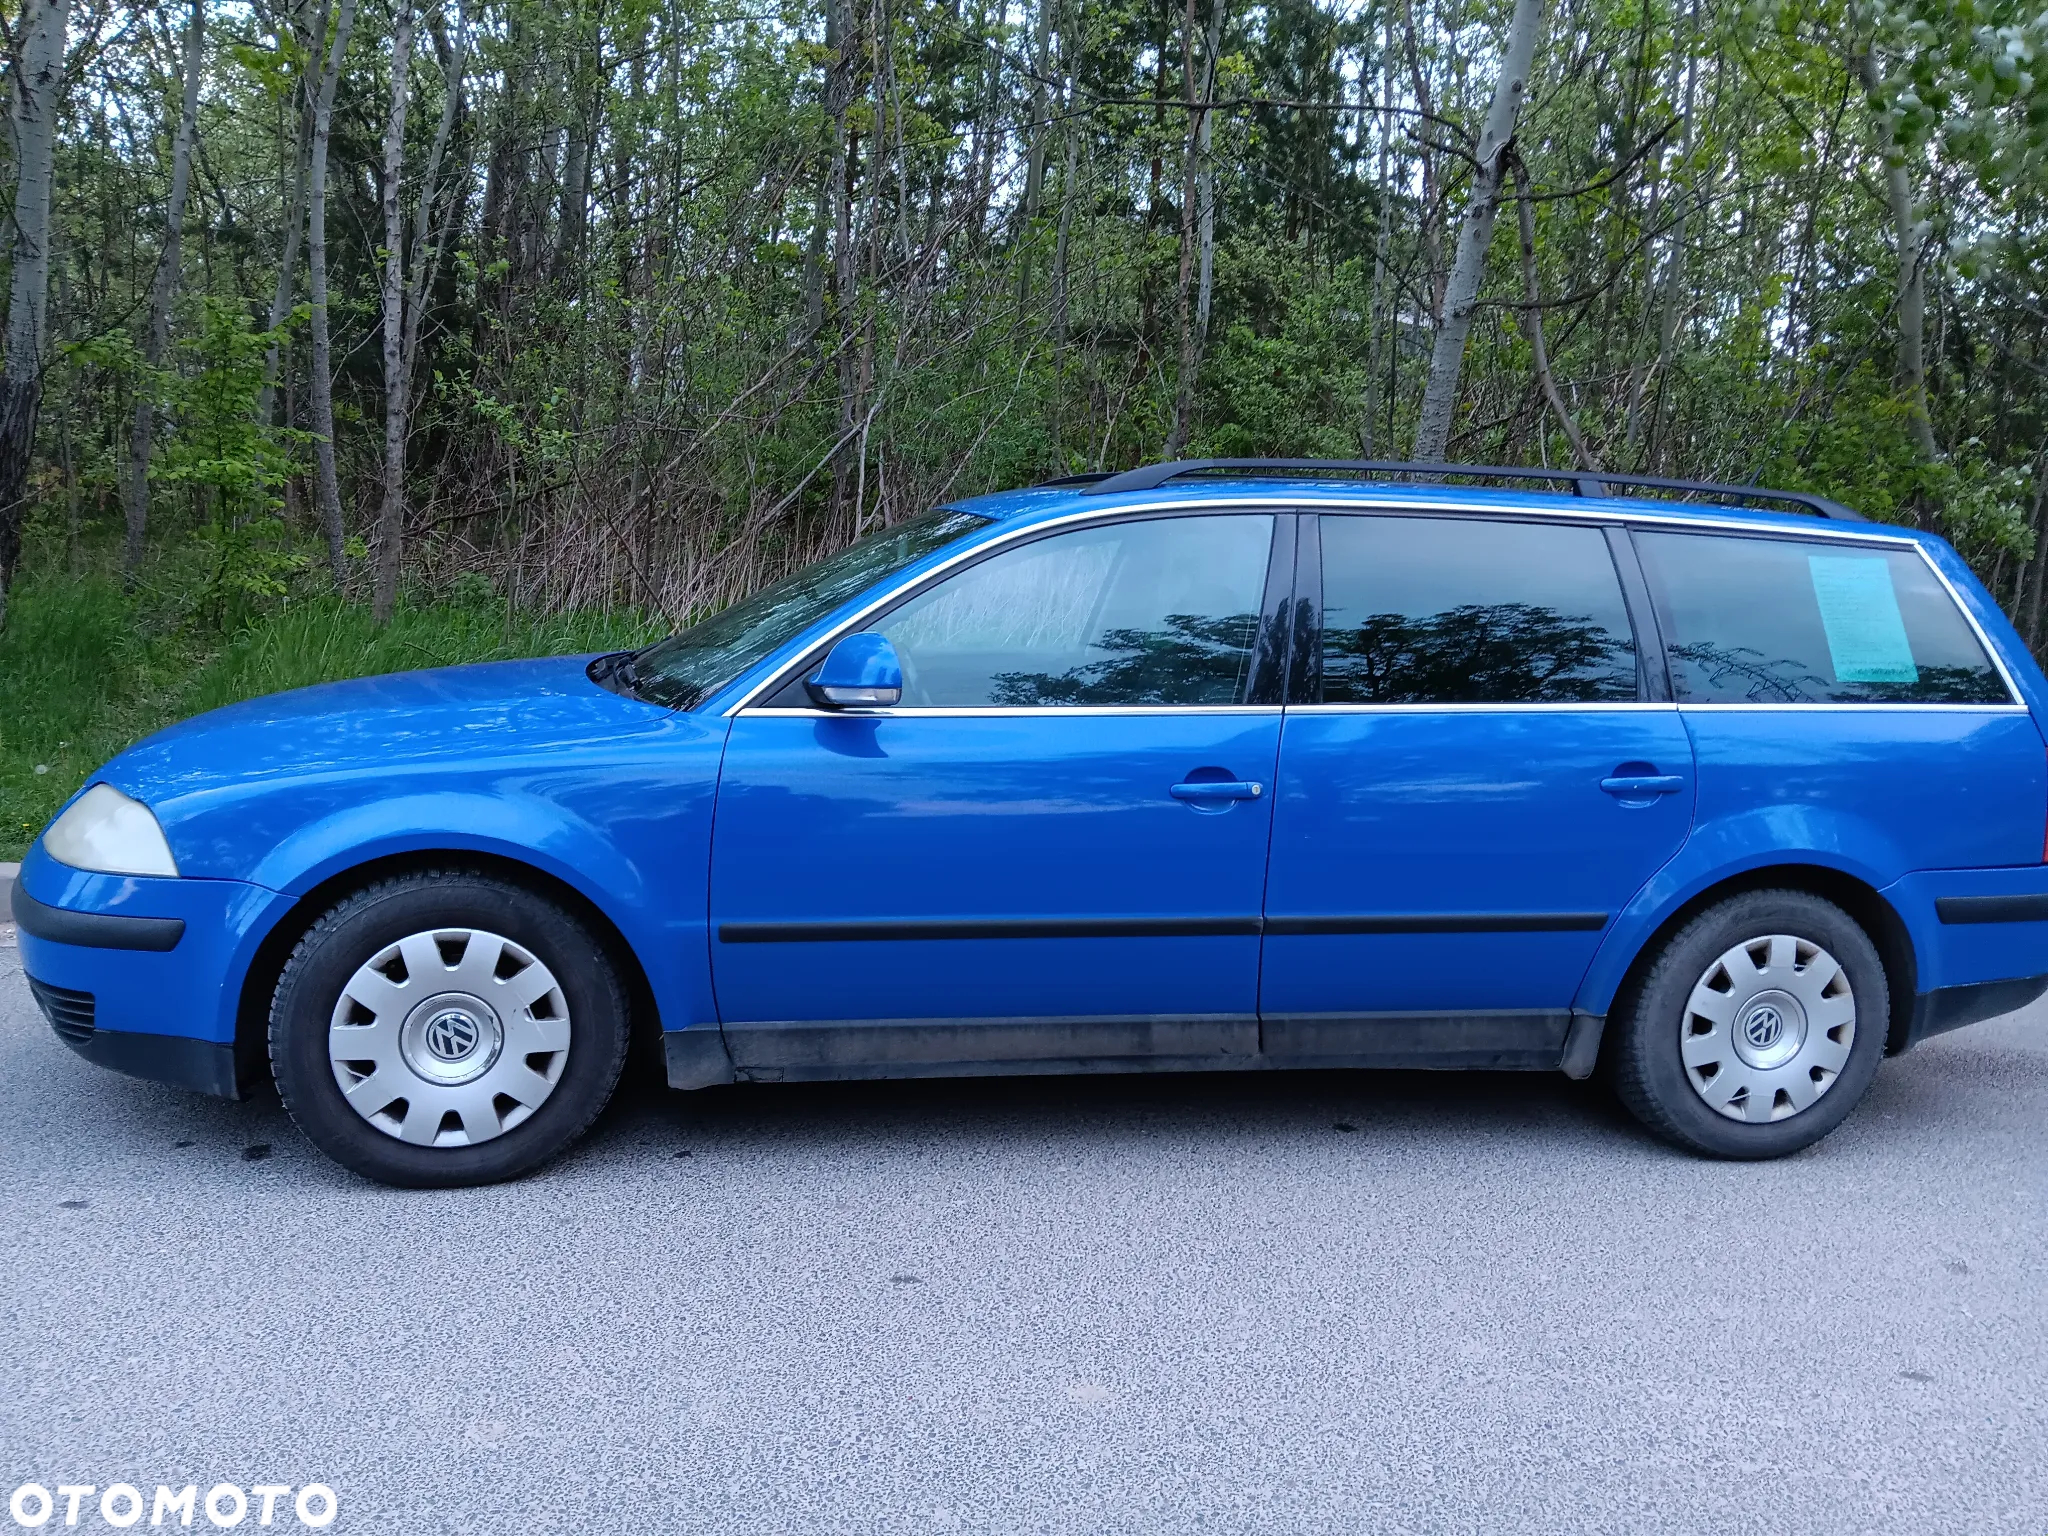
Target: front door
1473,782
1051,852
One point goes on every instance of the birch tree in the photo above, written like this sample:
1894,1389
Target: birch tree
326,484
1475,232
32,110
163,294
391,514
405,301
1909,240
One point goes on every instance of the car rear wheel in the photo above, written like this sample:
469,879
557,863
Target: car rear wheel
445,1029
1756,1029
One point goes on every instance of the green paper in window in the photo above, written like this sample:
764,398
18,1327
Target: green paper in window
1860,612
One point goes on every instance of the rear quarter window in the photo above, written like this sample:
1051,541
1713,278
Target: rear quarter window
1792,621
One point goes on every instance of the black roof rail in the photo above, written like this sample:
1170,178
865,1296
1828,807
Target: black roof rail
1584,482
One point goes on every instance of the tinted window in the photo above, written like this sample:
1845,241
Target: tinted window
1442,610
1779,621
1163,611
694,662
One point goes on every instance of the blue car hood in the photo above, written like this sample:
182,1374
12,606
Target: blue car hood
377,725
232,785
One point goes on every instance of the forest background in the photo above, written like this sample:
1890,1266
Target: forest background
345,335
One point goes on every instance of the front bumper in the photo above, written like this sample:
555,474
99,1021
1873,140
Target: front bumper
142,974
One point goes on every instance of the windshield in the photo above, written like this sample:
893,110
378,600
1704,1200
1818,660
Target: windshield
693,663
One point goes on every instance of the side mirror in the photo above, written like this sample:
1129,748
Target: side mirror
861,671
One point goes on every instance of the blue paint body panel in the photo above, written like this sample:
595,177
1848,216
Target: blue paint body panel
1060,817
176,992
1462,814
672,823
527,761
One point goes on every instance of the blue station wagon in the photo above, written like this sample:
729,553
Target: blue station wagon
1208,765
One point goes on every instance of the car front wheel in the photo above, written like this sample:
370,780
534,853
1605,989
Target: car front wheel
1756,1028
446,1028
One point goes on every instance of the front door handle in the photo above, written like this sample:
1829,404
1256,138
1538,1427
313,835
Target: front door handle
1635,785
1210,791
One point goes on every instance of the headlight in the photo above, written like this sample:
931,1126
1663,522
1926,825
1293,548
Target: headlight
108,833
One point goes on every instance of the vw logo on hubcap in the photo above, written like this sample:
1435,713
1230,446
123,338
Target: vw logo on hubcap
451,1036
1763,1027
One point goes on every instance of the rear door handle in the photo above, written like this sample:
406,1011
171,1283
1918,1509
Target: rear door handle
1644,784
1206,791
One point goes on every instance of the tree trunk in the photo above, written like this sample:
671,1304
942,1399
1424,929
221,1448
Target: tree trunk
1070,51
1034,157
429,243
32,110
1475,235
163,292
1383,226
294,219
1671,282
1532,320
1205,180
1909,234
326,488
391,515
1190,175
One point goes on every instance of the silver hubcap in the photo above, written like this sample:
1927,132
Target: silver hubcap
1768,1028
449,1038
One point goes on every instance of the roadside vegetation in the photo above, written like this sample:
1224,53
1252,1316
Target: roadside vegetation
86,670
351,334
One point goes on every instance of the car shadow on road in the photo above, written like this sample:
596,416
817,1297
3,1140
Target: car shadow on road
1384,1106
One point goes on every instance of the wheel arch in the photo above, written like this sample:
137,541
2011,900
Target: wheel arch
1861,900
266,965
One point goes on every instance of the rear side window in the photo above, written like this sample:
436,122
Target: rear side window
1161,611
1446,610
1784,621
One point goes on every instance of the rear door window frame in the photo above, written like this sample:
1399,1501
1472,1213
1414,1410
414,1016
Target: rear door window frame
2013,701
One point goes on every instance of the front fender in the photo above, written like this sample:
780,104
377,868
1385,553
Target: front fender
1727,847
644,884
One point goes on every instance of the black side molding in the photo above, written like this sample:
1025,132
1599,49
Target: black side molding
1947,1008
999,928
1444,922
95,930
1160,927
1991,909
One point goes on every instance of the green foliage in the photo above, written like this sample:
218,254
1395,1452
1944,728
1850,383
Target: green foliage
231,465
86,670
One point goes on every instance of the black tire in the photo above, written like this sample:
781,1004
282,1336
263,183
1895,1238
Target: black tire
1648,1071
353,932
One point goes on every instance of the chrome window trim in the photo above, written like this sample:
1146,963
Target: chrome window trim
1861,706
1513,707
1863,534
1007,711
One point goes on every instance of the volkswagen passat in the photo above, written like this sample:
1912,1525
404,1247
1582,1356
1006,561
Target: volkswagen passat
1193,767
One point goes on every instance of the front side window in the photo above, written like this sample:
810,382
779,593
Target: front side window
1785,621
1447,610
1161,611
694,663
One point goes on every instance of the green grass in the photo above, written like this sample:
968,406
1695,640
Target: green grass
85,671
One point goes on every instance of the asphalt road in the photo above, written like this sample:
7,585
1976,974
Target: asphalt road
1294,1304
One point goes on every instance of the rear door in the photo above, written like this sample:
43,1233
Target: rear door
1839,701
1476,774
